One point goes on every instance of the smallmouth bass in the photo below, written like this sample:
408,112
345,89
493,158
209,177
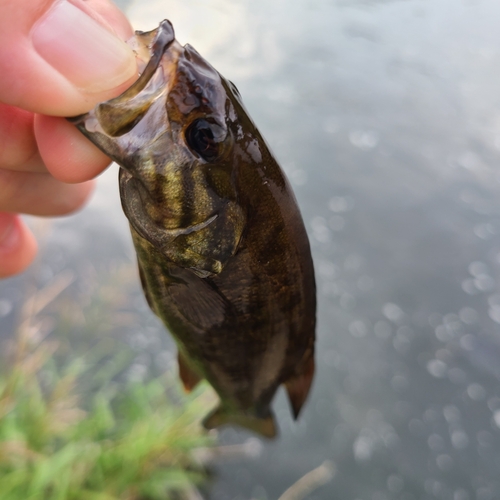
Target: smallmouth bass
223,255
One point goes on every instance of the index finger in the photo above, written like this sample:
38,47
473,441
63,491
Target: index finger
60,57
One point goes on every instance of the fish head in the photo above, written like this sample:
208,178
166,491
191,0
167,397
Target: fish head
172,132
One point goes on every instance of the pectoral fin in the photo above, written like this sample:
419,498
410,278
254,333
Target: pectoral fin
220,416
188,376
297,387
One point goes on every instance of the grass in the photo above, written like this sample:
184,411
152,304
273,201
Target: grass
115,439
74,426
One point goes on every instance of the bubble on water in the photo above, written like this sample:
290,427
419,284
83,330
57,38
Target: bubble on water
484,283
468,342
452,414
459,440
324,407
298,177
347,301
364,139
476,392
461,494
165,360
496,418
436,442
393,312
259,492
352,384
457,376
437,368
485,438
331,125
400,383
401,344
469,287
435,488
484,231
363,448
341,204
139,341
494,403
477,268
321,232
443,334
417,427
6,307
444,462
494,300
484,493
450,318
365,283
358,329
406,332
435,319
431,415
382,329
468,315
327,269
354,262
341,434
470,161
379,495
395,483
330,357
137,372
282,93
336,222
494,313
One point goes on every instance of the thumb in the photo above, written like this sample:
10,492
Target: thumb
61,57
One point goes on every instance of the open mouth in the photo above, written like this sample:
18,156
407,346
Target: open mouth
118,116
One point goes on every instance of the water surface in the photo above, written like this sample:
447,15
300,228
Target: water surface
385,116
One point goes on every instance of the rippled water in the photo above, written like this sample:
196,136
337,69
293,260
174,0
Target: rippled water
385,116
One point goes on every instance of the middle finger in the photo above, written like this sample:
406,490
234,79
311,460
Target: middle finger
18,147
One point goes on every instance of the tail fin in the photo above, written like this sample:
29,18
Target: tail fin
265,426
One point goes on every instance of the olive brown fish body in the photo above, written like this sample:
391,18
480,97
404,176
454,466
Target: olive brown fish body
223,254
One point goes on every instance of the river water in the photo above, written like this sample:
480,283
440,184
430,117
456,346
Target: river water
385,116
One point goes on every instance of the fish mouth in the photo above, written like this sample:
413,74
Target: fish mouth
158,53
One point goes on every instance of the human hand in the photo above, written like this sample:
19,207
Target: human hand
57,58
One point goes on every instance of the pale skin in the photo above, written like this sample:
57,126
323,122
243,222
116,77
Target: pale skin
57,58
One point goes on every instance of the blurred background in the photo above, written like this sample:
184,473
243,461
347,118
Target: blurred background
385,116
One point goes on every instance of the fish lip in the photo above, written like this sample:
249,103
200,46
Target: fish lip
164,38
108,116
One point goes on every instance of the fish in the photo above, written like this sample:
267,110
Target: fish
223,254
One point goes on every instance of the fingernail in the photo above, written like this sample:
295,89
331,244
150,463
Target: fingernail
78,47
8,235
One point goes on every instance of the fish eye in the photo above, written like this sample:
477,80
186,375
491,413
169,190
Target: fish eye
204,138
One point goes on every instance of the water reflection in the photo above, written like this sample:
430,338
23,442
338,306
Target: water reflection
385,116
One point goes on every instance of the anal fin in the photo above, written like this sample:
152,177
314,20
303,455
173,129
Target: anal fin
265,426
297,387
188,376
